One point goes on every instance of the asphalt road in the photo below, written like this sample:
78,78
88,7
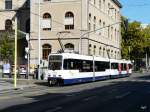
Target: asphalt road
130,94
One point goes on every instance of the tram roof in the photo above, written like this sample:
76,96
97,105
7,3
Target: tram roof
83,57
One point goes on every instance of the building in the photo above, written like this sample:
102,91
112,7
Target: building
71,21
9,9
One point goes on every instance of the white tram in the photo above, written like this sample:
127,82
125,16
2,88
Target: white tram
70,68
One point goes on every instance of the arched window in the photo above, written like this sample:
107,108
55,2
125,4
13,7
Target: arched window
112,54
100,49
100,25
94,25
8,24
89,21
69,21
46,48
103,52
69,46
46,22
94,49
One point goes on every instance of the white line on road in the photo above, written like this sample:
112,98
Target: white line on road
123,95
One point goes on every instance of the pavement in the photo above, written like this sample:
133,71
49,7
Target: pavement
129,94
8,83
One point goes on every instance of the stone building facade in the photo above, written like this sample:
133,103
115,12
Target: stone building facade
75,23
89,27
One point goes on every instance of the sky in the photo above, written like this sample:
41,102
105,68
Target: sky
138,10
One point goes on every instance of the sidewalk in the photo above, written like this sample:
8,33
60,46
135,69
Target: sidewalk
8,83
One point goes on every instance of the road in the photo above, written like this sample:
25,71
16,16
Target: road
130,94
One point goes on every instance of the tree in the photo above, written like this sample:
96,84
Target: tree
7,47
135,39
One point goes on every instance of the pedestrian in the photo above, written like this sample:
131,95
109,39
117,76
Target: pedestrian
6,69
36,71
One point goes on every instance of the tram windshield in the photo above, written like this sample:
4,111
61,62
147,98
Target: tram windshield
55,62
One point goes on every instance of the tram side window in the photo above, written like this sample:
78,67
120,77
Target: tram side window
114,65
123,66
71,64
101,66
87,66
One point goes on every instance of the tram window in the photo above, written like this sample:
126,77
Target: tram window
87,66
123,66
55,63
72,64
81,65
114,65
101,66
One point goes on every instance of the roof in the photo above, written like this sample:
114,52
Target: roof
117,3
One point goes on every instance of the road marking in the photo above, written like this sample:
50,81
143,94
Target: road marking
143,107
89,98
123,95
54,110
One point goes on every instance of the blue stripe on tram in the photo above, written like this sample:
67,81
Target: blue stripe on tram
87,79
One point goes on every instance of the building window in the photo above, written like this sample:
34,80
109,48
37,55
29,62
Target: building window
109,9
46,22
103,52
100,25
90,21
46,48
108,53
69,21
111,32
115,35
100,51
115,55
104,5
8,24
94,25
94,50
89,26
69,46
104,29
90,46
112,53
100,4
8,4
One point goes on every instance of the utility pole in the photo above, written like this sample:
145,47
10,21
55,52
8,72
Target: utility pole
39,40
15,57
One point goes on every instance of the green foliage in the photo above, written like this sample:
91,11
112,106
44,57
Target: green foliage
7,47
136,41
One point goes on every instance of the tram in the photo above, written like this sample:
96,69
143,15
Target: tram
70,68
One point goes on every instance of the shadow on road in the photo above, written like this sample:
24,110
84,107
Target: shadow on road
105,95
